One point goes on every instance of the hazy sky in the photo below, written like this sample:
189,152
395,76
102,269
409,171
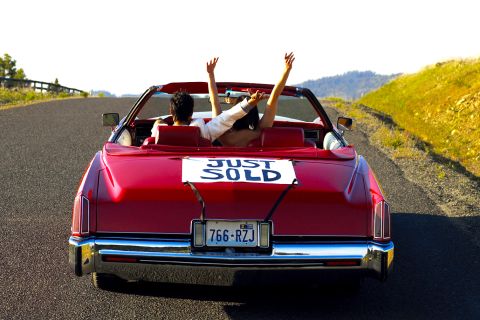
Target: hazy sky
126,46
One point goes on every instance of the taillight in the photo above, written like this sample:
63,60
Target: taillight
381,221
81,216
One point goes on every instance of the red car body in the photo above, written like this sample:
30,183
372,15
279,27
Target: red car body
136,218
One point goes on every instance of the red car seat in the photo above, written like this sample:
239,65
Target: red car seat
188,136
282,137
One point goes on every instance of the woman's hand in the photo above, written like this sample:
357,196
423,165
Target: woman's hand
289,58
160,122
211,65
256,98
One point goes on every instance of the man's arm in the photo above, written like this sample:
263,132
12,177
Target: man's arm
212,88
272,103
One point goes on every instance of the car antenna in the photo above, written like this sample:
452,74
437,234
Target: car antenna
282,195
199,198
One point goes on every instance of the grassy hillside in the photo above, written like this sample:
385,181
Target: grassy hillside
440,105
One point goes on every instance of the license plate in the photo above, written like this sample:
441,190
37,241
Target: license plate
231,233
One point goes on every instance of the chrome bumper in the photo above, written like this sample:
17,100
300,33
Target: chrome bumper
174,261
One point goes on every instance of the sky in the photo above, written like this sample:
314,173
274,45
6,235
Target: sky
126,46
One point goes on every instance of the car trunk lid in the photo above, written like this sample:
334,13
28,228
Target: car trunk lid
147,194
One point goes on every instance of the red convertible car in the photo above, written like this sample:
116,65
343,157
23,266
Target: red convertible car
176,207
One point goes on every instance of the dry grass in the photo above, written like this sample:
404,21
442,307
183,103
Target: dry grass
398,143
21,97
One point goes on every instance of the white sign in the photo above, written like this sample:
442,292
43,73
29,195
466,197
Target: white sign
237,170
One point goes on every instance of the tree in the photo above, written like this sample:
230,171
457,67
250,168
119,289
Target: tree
8,68
2,68
20,74
55,86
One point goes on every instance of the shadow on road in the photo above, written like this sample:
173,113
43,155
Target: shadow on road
435,275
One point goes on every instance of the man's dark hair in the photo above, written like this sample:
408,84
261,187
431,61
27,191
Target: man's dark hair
181,106
249,121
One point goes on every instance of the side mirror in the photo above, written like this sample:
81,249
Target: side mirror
344,124
110,119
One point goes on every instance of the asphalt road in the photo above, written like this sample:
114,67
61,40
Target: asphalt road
44,151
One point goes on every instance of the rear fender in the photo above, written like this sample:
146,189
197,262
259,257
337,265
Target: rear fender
86,199
374,191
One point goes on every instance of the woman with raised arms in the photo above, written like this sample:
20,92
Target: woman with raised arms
248,127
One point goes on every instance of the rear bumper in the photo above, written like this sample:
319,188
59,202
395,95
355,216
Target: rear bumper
174,261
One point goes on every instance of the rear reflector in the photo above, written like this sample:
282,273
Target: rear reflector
381,221
77,214
118,259
81,216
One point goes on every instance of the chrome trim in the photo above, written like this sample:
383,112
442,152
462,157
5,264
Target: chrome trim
186,234
375,225
158,257
147,233
386,207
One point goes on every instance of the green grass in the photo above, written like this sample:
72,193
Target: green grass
9,98
440,105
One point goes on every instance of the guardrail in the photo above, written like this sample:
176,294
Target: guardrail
36,85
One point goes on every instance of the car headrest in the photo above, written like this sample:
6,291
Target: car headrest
178,136
282,137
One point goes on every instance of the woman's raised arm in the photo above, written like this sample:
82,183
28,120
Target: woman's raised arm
212,88
272,103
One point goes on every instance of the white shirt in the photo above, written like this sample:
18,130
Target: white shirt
330,142
218,125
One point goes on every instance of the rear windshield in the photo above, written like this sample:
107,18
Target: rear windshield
296,108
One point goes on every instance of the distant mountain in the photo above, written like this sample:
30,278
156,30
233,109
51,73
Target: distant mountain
349,86
131,95
101,93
